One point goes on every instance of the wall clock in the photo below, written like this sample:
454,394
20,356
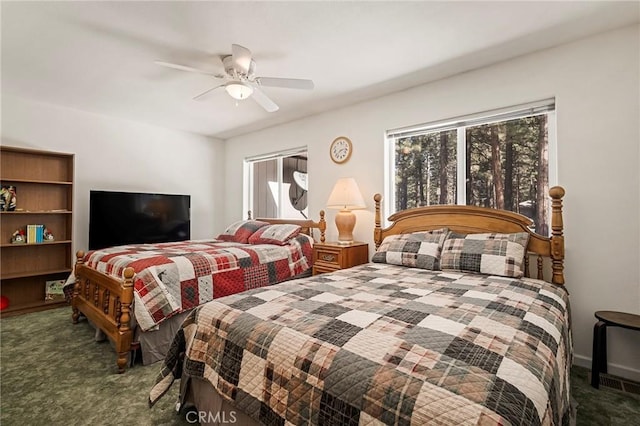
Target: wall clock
340,149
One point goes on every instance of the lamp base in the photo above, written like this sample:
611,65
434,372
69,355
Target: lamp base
345,222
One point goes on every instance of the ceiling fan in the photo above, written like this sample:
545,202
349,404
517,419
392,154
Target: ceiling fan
240,81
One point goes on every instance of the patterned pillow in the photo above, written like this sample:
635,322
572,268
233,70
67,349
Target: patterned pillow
240,231
279,234
417,250
491,254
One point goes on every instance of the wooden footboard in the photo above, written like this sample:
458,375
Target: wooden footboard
107,302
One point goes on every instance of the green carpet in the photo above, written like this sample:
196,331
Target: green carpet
54,373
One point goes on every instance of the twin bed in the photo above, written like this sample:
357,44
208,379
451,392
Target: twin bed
168,280
444,326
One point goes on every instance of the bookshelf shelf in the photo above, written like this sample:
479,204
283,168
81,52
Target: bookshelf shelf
32,307
37,212
36,273
7,245
43,182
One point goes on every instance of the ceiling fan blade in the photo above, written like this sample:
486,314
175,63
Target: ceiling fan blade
196,97
263,100
289,83
184,68
241,58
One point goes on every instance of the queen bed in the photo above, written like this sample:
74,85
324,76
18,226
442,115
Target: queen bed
167,280
445,326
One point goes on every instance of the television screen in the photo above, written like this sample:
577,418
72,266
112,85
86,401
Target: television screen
117,218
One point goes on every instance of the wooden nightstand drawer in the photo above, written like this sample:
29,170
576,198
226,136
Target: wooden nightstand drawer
322,268
329,257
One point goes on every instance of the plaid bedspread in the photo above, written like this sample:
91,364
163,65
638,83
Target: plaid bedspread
175,277
384,344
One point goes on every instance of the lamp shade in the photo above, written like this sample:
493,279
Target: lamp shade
238,90
346,195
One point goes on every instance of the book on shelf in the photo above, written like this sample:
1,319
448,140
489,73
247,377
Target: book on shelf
54,290
35,234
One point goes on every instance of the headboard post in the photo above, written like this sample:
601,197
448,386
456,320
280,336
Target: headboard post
557,238
378,229
322,226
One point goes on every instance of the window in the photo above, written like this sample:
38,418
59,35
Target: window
498,159
276,185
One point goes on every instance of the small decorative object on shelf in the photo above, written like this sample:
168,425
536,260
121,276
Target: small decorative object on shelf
19,237
4,303
47,235
8,198
54,290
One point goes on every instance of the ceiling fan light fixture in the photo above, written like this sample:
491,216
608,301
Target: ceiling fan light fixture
238,90
240,81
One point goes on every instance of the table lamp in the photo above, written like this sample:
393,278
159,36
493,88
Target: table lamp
345,197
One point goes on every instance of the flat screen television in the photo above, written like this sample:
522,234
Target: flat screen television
117,218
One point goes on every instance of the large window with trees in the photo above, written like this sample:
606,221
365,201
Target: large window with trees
276,184
498,159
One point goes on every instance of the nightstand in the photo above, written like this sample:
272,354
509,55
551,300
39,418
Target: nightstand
329,257
599,354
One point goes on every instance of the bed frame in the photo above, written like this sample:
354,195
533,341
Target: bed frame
107,301
462,219
306,225
469,219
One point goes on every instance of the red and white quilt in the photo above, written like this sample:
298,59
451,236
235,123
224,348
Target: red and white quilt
175,277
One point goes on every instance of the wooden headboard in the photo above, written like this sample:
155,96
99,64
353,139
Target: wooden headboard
470,219
307,225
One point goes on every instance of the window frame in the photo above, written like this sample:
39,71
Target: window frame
546,106
247,172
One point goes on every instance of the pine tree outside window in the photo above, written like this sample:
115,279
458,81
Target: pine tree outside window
498,159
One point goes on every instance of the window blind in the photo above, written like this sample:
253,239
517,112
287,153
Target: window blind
487,117
279,154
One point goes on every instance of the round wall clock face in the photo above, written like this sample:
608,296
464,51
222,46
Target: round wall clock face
340,149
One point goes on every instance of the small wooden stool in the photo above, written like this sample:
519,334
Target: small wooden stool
599,354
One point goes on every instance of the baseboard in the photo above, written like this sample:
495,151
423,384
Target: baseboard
613,369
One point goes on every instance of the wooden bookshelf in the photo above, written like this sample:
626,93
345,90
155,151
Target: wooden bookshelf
44,193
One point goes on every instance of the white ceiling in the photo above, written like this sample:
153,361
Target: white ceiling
99,56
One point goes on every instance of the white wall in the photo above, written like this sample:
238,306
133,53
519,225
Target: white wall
114,154
596,85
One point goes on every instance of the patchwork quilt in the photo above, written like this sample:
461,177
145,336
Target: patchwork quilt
175,277
384,344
